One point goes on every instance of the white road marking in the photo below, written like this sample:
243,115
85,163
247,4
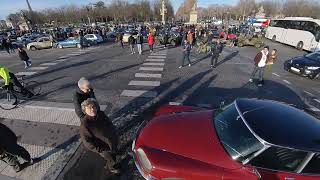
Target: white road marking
150,69
153,64
276,74
157,57
144,83
148,75
139,93
317,100
25,73
286,81
48,64
155,60
63,57
37,68
60,60
174,103
238,63
308,93
314,109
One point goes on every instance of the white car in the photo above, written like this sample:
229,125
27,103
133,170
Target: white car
96,38
40,43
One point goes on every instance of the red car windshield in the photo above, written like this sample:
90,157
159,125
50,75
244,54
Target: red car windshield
234,135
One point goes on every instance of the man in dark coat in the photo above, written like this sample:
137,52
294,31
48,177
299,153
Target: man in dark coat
216,49
82,93
10,150
98,134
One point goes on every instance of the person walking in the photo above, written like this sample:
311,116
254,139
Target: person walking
150,41
260,61
186,53
5,45
271,60
131,41
166,38
216,49
190,38
98,134
139,42
82,93
121,40
24,57
10,151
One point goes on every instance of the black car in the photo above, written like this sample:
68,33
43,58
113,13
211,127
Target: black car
307,65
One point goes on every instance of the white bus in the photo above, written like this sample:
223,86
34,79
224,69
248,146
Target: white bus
302,33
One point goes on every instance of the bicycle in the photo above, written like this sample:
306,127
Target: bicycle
9,97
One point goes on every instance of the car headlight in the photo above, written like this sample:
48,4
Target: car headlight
312,68
145,163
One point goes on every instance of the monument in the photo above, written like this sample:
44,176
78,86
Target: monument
194,14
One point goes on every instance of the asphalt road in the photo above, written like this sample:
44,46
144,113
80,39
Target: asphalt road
118,77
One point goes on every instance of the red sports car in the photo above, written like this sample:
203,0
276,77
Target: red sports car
249,139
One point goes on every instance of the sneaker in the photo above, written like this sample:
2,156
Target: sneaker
112,169
250,80
259,84
189,65
132,53
26,67
211,66
180,67
17,168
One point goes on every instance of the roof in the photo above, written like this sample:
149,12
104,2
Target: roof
301,19
280,124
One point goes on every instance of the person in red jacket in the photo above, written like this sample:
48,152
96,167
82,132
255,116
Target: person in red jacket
150,41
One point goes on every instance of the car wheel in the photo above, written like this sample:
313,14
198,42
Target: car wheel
173,43
32,48
60,46
274,38
78,46
240,44
300,45
314,76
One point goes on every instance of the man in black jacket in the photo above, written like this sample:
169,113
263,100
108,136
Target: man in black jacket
10,150
82,93
216,49
132,41
98,134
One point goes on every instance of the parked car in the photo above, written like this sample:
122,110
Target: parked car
94,38
306,65
40,43
127,34
72,42
249,139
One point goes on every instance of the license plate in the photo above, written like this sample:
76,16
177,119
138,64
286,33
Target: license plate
295,69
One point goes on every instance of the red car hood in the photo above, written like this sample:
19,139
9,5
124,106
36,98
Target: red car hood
188,134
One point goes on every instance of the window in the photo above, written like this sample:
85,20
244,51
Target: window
314,56
277,158
41,40
313,166
234,135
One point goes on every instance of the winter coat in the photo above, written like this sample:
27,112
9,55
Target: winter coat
98,134
190,38
150,39
8,139
78,98
139,39
23,55
131,40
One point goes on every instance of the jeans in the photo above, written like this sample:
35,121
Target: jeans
27,63
121,44
186,55
261,72
214,58
139,48
132,49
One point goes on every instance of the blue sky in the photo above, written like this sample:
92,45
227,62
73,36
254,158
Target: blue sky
10,6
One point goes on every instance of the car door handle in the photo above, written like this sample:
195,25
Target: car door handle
288,178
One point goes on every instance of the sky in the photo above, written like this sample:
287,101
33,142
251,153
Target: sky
7,6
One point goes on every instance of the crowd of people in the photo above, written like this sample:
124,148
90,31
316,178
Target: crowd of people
97,132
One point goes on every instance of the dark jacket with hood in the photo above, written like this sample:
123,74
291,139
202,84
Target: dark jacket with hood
98,134
23,55
78,98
